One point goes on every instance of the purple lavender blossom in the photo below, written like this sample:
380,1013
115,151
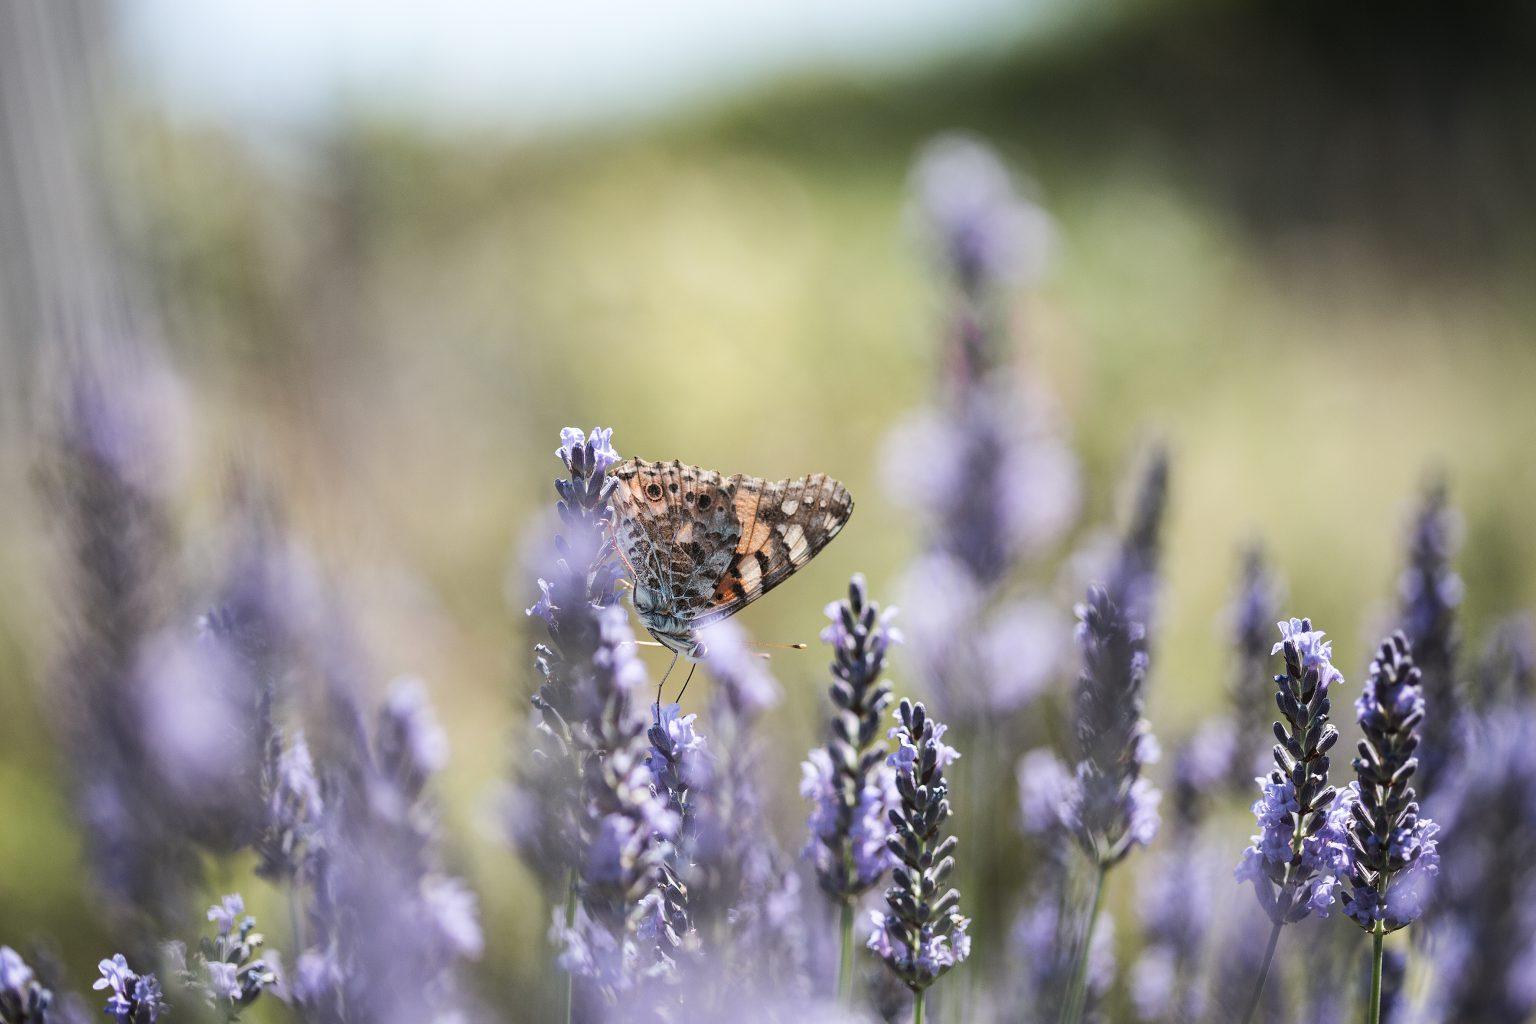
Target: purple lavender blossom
849,788
1395,855
23,1000
132,998
1113,807
921,935
1298,858
1430,594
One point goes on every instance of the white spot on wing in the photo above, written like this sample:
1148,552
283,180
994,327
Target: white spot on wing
789,506
751,574
794,538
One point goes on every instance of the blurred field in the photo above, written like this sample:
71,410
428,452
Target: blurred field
1273,252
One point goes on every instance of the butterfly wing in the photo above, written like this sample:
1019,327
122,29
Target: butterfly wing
782,526
677,529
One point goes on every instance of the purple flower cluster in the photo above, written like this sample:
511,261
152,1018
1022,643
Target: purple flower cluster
1395,856
132,998
850,788
23,1000
1301,853
225,970
921,934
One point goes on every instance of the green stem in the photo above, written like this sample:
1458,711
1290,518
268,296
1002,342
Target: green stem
1373,1008
917,1008
845,962
570,920
1077,990
1269,958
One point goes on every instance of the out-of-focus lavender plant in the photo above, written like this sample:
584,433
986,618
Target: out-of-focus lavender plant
921,934
987,469
1298,858
1506,672
1177,887
743,898
1430,594
1041,945
1251,616
1395,857
1112,807
388,926
1483,923
226,970
132,998
23,999
106,480
850,787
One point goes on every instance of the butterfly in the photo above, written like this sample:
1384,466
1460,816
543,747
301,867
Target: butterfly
701,547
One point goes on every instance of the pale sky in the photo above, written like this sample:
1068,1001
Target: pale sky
525,64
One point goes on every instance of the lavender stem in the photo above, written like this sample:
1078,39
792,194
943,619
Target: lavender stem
1373,1008
1077,991
1269,958
917,1006
570,921
845,962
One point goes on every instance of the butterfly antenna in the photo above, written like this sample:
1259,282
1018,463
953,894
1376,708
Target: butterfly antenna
782,647
685,683
670,666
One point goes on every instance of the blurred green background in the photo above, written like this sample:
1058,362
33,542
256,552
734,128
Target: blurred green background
1295,241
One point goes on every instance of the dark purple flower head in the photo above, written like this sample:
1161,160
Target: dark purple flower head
847,782
921,933
1395,855
132,998
1301,852
22,999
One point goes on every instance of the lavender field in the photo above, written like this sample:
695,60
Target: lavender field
1177,661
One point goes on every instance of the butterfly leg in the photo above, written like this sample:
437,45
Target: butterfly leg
670,666
686,682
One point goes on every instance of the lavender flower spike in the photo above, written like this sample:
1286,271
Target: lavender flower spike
1301,852
22,999
849,786
135,998
921,935
1395,856
1297,860
1395,852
